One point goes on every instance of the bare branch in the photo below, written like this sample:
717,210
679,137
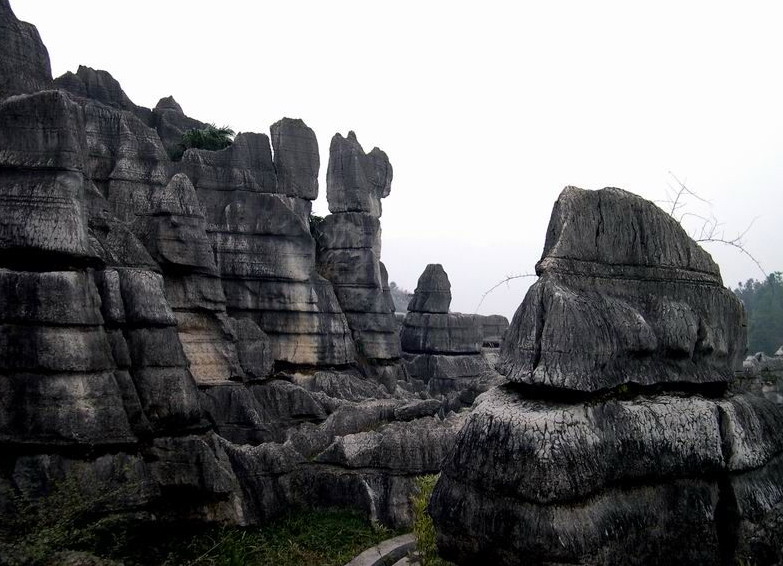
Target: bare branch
504,281
738,245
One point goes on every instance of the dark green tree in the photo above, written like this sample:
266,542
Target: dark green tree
763,302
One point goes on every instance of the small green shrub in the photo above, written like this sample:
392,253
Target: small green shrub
423,528
209,137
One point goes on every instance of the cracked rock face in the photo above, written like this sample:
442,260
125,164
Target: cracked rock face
24,66
561,465
349,254
356,181
444,349
623,284
433,291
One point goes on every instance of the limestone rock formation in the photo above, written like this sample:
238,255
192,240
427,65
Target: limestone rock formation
616,440
264,250
296,158
94,381
433,291
171,123
493,329
349,253
164,333
763,375
24,66
443,349
662,304
356,181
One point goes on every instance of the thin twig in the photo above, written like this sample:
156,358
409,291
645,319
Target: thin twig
496,285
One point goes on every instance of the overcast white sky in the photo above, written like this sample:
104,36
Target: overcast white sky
487,110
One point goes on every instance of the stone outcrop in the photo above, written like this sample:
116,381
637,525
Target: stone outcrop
443,349
356,181
349,253
763,375
95,384
264,251
616,440
433,291
24,66
493,329
166,336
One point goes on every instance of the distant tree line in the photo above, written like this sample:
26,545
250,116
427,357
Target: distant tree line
763,302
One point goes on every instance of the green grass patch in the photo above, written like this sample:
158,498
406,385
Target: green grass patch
423,528
304,538
308,538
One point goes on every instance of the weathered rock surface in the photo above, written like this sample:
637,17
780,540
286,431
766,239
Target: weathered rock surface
622,283
356,181
264,251
95,386
296,158
443,350
165,335
24,67
638,474
349,252
433,291
493,329
171,123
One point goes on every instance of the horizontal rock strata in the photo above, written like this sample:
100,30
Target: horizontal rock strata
615,441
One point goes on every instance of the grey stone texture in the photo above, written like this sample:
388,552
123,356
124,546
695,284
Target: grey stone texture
296,158
622,283
616,440
433,291
349,253
443,350
24,66
356,181
493,329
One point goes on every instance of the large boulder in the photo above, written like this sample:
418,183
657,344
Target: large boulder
616,441
623,284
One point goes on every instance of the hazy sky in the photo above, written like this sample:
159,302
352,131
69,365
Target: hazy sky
486,110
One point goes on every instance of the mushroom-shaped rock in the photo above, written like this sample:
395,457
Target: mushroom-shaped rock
617,443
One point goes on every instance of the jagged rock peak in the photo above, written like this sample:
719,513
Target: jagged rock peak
97,85
296,158
356,181
622,230
177,199
24,65
168,103
433,291
624,297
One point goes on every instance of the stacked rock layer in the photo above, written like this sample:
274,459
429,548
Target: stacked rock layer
349,252
165,336
443,349
616,441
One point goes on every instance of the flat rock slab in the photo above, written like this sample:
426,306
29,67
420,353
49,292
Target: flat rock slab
387,552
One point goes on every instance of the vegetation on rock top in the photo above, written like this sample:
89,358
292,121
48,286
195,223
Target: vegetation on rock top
209,137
